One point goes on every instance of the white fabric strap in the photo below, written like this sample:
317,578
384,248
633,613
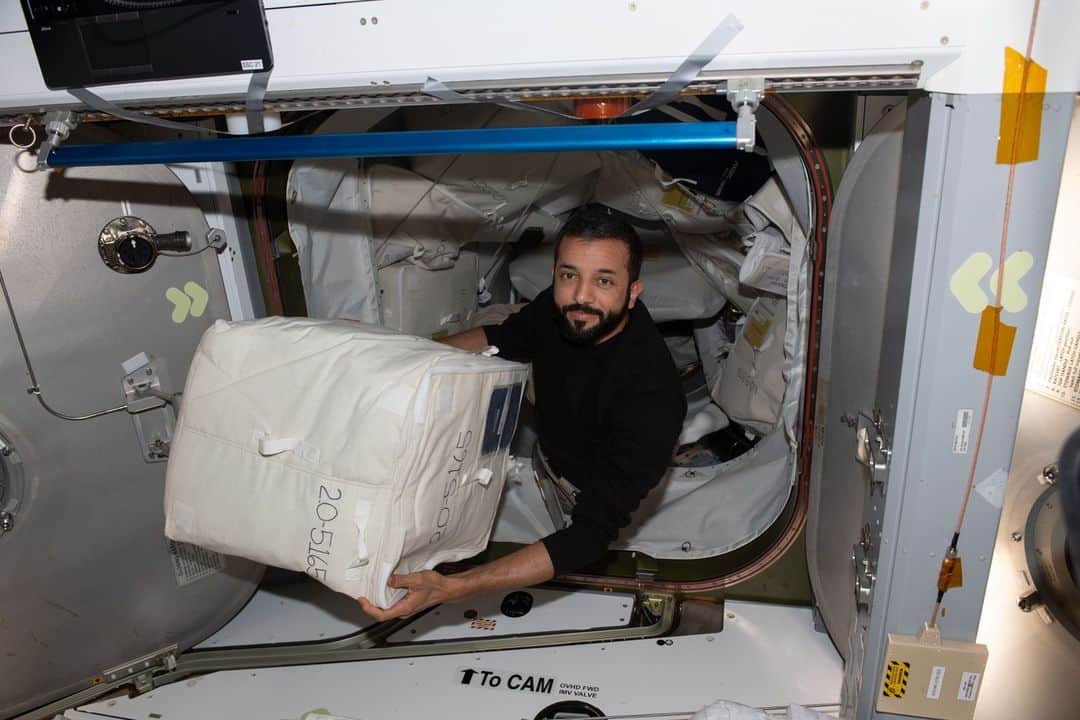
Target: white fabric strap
275,446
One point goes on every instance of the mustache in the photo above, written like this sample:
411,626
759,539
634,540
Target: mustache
576,307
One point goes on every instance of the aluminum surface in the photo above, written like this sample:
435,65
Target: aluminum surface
1034,660
86,580
857,286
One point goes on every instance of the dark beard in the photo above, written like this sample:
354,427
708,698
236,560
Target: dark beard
574,332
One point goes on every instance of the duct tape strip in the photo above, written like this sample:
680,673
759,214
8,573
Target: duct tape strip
1022,94
102,105
691,67
438,89
253,103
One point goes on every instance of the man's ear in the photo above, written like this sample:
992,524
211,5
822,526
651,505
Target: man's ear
635,289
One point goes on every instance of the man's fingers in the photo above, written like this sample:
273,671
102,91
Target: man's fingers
372,610
404,607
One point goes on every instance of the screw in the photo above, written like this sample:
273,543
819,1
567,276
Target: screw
1016,536
363,21
7,521
1049,474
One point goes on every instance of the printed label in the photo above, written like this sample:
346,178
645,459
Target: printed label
192,563
896,679
937,679
969,687
1054,370
250,65
515,681
579,690
962,431
758,322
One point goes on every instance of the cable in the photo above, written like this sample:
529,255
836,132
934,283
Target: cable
950,564
186,253
34,388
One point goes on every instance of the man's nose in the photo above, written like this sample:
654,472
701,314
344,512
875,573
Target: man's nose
583,294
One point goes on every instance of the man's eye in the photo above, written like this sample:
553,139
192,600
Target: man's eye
604,281
566,275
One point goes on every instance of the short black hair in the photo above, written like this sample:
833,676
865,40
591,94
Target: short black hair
599,222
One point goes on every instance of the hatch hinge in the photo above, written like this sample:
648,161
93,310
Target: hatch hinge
745,94
141,670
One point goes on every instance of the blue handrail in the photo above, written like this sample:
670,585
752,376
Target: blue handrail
569,138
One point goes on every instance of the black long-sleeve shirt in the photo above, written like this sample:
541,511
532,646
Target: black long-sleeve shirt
607,416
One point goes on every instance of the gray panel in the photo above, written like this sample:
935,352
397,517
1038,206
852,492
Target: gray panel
856,290
86,581
959,213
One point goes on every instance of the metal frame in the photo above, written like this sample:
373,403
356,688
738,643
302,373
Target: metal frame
942,224
166,667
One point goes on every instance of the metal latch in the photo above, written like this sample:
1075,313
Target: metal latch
864,565
150,406
745,94
872,447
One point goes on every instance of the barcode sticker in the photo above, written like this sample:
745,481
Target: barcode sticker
962,431
969,687
250,65
192,563
937,679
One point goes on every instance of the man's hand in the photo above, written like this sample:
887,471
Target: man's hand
527,566
425,589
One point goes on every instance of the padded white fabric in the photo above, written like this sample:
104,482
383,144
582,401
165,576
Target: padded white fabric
342,450
751,387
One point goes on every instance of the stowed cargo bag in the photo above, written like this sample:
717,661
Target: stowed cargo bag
345,451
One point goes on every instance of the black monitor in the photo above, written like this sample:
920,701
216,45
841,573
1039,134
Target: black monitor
97,42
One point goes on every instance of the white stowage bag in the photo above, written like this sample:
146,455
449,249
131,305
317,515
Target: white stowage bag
752,383
345,451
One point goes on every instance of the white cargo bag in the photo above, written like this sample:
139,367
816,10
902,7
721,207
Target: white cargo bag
751,386
345,451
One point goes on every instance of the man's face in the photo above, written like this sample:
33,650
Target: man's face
592,289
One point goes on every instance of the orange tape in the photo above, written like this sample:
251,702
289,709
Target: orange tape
995,344
1022,94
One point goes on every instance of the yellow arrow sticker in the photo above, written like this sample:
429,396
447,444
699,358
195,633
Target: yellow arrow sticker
199,297
191,301
1013,298
964,283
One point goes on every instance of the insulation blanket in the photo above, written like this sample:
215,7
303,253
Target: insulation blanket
345,451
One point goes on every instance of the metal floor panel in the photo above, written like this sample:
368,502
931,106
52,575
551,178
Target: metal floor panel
767,655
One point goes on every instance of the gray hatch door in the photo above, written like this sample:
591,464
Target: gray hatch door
847,484
88,582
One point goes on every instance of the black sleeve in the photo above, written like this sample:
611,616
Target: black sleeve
516,336
637,451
